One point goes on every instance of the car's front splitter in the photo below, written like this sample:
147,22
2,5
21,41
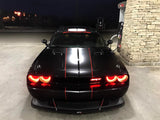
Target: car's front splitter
77,107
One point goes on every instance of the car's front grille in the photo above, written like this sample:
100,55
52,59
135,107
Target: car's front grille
72,80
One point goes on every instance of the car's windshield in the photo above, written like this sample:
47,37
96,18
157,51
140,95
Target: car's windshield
77,40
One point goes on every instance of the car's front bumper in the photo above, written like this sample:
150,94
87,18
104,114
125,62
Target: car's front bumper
71,101
77,107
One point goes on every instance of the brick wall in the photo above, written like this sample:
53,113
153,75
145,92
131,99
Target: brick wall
141,34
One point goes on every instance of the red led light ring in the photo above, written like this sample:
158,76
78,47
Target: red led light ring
119,78
111,78
36,79
45,79
122,78
33,78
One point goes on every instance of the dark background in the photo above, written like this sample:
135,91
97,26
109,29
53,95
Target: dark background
68,12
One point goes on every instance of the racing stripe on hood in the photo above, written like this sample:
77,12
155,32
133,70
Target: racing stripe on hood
90,62
65,63
85,64
91,70
71,62
78,62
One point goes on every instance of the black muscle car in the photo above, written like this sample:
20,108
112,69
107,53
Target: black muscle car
77,73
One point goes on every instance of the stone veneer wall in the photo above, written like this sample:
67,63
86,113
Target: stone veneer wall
141,34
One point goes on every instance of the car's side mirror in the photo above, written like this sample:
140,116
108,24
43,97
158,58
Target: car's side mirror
45,42
109,42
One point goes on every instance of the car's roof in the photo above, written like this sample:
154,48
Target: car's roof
65,29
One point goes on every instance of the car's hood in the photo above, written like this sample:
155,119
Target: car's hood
77,62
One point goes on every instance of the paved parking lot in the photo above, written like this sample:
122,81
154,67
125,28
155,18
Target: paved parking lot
142,99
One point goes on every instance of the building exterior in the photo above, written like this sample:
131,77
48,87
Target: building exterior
141,33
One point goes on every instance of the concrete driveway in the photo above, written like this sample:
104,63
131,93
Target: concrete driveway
142,99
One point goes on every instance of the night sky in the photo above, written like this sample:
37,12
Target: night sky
77,10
